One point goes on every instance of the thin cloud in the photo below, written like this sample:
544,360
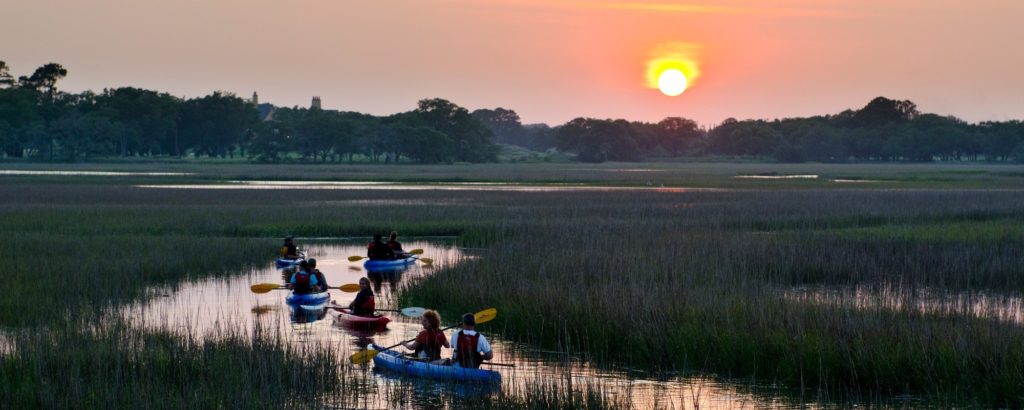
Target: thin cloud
693,8
714,9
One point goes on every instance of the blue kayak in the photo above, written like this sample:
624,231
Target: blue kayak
309,301
282,263
399,363
379,265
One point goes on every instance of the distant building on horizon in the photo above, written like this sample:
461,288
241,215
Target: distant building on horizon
266,110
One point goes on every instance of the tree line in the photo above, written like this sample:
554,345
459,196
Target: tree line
39,121
883,130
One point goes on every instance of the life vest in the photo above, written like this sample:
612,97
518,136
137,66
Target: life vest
432,349
303,283
284,251
469,357
367,307
379,251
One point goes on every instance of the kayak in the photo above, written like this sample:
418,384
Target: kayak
309,301
378,322
389,264
282,263
399,363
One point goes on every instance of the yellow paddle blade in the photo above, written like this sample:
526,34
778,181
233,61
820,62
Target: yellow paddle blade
354,258
351,287
485,315
362,356
427,261
264,287
416,251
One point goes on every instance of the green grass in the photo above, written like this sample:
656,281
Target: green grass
678,281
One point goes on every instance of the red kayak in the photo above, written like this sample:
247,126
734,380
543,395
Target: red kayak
378,322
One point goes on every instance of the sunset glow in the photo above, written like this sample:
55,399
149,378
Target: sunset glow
550,61
673,69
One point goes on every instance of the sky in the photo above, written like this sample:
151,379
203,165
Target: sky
550,61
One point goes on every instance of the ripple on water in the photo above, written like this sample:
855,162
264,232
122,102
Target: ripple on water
211,306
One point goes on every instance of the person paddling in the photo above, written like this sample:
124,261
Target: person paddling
363,305
320,279
288,250
396,246
431,339
378,250
303,281
470,348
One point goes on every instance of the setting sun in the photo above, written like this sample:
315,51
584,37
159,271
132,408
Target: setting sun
672,82
672,68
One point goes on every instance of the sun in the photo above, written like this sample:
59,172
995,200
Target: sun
672,82
672,68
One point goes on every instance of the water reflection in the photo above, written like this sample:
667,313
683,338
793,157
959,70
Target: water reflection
981,305
390,186
203,307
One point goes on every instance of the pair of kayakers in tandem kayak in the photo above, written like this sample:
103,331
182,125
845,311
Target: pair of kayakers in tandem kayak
469,348
378,250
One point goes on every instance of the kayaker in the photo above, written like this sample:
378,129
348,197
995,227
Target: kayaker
378,250
428,343
303,281
288,250
363,305
320,279
470,348
396,246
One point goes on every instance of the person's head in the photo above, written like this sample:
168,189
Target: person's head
376,237
431,320
288,239
468,321
364,283
311,262
393,236
303,265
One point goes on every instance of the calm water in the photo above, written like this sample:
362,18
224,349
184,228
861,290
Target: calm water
980,305
391,186
207,307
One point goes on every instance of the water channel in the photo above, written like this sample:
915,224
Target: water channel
208,307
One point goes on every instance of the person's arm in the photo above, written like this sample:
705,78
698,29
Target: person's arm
455,349
484,348
360,298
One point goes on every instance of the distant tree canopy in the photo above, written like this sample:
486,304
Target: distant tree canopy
40,122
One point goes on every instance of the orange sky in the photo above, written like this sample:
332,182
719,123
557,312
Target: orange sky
549,60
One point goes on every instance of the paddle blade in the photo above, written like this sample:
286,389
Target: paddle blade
413,312
264,287
349,288
354,258
416,251
427,261
485,315
363,356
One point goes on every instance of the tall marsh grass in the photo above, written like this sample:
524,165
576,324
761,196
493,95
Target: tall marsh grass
679,281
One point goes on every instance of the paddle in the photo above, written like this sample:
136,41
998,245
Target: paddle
364,356
267,287
413,312
355,258
498,364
